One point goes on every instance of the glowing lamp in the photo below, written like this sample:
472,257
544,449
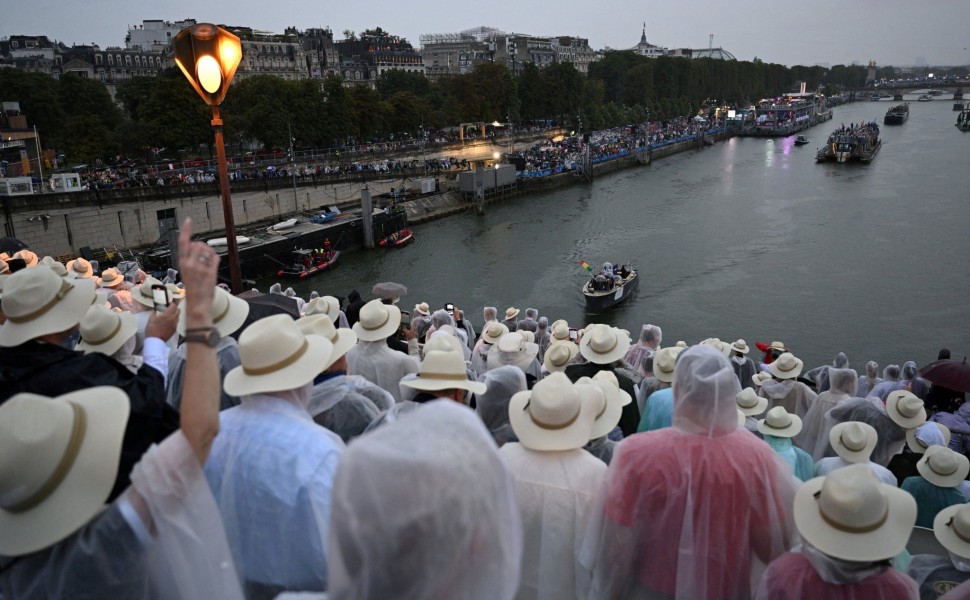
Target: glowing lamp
208,57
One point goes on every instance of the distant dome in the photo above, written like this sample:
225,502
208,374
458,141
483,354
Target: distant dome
716,53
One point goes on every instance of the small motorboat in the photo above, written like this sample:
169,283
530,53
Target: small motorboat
397,239
287,224
801,140
324,217
309,262
600,298
924,98
221,242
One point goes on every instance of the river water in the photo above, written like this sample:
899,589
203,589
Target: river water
749,238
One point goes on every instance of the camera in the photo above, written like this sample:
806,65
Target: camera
160,297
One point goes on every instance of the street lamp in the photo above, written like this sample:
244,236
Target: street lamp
208,57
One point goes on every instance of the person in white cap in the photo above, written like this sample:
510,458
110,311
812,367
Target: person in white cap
163,537
784,389
604,348
335,402
941,471
695,510
851,526
556,481
371,358
599,444
854,442
492,405
658,407
778,428
901,411
936,575
271,468
744,367
424,508
842,387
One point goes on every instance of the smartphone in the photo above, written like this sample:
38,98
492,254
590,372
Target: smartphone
449,307
573,335
160,297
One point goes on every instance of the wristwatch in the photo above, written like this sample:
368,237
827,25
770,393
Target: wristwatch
203,335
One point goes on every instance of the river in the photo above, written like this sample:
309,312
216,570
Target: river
749,238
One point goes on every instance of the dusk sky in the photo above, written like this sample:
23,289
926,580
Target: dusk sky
828,32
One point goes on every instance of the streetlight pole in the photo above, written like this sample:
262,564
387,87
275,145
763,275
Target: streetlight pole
232,250
296,201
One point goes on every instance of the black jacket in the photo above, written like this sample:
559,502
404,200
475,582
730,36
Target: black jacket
630,418
51,370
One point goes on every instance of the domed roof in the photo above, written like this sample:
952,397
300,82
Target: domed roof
716,53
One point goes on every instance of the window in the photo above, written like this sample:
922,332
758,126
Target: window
14,44
111,60
97,59
128,60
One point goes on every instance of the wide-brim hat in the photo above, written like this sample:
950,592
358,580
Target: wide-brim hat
54,265
175,292
742,419
943,467
780,423
555,415
111,278
494,331
664,361
422,309
229,313
341,339
916,444
905,409
323,305
853,441
276,356
608,418
603,344
58,462
143,293
511,312
105,331
512,349
951,526
850,515
786,366
559,355
560,330
79,268
37,302
29,257
377,321
444,370
740,346
444,341
751,404
778,346
759,378
723,347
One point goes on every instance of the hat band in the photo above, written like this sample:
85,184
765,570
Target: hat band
850,529
956,531
61,293
772,426
847,446
446,376
552,427
78,428
387,317
256,372
223,314
113,333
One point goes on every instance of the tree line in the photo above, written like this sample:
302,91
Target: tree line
78,117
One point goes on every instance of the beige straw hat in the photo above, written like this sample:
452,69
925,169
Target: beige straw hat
37,302
275,357
377,321
58,462
422,309
664,361
604,344
511,312
952,529
444,370
759,378
105,331
143,293
780,423
943,467
79,268
228,313
740,346
110,278
554,415
917,445
559,355
323,305
29,257
54,265
853,441
342,339
751,404
850,515
787,366
905,409
494,331
608,417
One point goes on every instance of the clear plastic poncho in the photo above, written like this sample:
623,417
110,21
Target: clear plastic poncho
227,356
650,337
379,396
335,405
695,511
843,384
900,382
935,574
820,375
870,410
832,463
424,508
380,365
543,337
493,405
801,463
869,380
794,396
187,557
555,493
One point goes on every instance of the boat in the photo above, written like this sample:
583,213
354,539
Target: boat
397,239
963,119
600,300
801,140
324,217
896,115
855,143
309,262
220,242
924,98
935,92
874,97
287,224
958,99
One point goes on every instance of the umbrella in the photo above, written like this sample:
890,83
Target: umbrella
11,245
948,373
264,305
389,289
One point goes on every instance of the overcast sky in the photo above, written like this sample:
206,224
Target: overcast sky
828,32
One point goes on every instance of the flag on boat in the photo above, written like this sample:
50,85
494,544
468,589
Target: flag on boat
585,265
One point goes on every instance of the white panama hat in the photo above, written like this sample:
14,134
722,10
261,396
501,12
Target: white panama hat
377,321
616,399
143,293
943,467
751,404
422,309
603,344
494,331
759,378
559,355
853,441
555,415
38,302
905,409
850,515
664,362
740,346
952,529
917,445
229,313
512,349
110,278
444,370
787,366
780,423
276,356
105,331
79,268
341,339
58,462
323,305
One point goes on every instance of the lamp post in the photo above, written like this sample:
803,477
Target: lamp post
208,57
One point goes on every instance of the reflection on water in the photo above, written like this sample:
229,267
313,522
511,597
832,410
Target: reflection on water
749,238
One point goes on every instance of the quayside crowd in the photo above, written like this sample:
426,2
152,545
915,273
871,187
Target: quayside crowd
167,439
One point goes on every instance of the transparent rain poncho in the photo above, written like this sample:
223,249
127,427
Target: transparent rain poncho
960,420
555,492
650,337
869,380
820,375
892,437
439,318
335,405
493,405
380,397
695,511
801,463
794,396
227,356
424,508
380,365
542,337
930,571
489,313
843,386
898,379
826,465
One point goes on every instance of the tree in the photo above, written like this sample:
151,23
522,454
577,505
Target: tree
393,81
87,139
176,114
86,97
339,120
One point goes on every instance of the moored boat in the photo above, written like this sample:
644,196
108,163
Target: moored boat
963,119
397,239
855,143
220,242
309,262
602,296
924,98
287,224
897,115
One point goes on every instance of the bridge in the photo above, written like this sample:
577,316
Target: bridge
915,86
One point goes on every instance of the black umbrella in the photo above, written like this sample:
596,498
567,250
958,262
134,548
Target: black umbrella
264,305
389,289
948,373
11,245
